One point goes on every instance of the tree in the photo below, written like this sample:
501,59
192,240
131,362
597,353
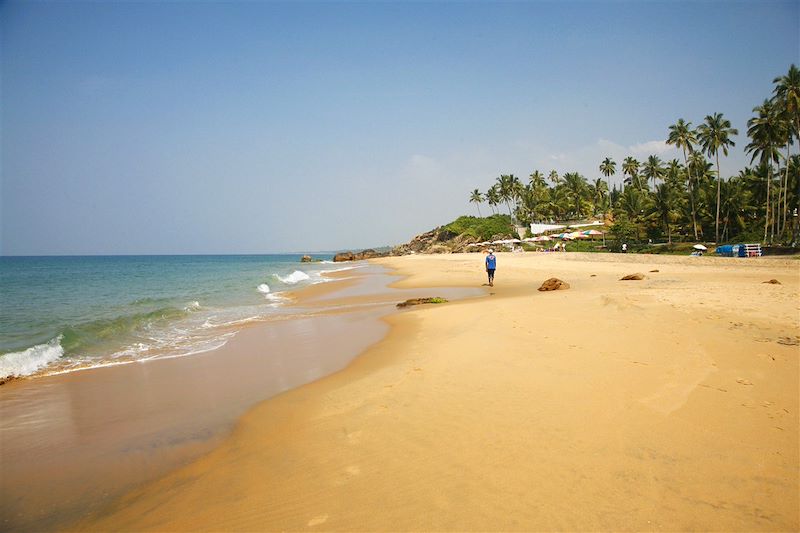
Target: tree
476,198
787,96
554,177
653,169
664,206
493,198
599,194
505,187
765,130
575,185
608,168
683,137
630,167
537,180
715,135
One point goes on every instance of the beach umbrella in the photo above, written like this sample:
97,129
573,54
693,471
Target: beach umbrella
592,232
541,238
699,247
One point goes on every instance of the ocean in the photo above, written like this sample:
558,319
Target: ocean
62,314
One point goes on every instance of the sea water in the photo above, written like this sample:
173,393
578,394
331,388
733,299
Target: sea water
61,314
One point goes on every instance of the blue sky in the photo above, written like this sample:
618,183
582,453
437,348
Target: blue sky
248,127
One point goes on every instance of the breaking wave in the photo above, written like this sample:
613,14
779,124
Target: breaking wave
31,360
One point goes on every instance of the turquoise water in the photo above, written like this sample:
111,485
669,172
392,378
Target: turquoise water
64,313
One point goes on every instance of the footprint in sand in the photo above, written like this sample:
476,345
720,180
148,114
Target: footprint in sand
317,520
744,381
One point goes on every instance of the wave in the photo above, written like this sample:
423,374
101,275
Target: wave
29,361
295,277
263,288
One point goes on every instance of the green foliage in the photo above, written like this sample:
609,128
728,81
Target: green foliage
623,230
481,228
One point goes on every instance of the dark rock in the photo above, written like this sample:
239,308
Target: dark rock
637,276
343,256
418,301
656,270
554,284
773,282
306,259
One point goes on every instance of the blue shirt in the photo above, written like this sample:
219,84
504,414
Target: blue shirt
491,262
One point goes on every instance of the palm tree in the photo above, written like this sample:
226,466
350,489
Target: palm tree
653,169
664,205
476,198
608,168
493,198
576,187
600,193
683,137
787,94
505,187
630,167
537,180
715,135
554,177
766,132
633,203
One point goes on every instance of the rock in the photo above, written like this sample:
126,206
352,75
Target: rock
554,284
773,282
637,276
655,270
306,259
418,301
343,256
593,276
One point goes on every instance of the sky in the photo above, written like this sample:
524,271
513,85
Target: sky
265,127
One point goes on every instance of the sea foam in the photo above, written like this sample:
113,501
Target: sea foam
263,288
29,361
293,278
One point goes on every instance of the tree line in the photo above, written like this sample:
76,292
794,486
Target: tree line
686,198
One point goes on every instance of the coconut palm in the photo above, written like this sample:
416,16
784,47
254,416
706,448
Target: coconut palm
653,169
630,167
766,132
715,135
608,168
575,185
493,198
599,194
476,198
554,177
683,137
665,206
787,96
537,180
505,187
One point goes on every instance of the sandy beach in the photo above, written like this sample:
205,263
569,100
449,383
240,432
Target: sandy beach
669,403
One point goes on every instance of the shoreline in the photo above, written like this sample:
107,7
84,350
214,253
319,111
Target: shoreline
669,410
73,440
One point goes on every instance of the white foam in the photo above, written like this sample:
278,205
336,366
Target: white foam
295,277
193,306
263,288
28,361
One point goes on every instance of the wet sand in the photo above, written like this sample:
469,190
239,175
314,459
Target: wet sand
669,403
73,442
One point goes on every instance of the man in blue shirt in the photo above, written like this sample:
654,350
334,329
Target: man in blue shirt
491,264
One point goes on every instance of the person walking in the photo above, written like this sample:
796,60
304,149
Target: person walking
491,265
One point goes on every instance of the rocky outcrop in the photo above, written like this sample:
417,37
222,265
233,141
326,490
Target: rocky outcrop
306,259
358,256
554,284
343,256
636,277
437,241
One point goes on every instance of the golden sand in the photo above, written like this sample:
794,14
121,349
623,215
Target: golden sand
669,403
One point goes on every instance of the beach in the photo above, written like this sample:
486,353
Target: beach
668,403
